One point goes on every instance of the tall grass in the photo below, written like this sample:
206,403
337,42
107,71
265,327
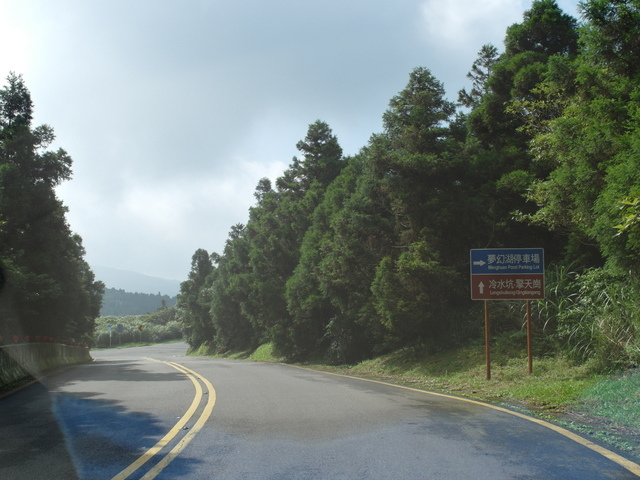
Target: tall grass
594,315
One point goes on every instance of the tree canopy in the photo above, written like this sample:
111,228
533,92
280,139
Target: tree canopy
49,289
350,257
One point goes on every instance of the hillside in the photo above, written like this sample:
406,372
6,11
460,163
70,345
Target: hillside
344,258
119,303
135,282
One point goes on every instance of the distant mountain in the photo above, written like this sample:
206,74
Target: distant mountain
119,303
135,282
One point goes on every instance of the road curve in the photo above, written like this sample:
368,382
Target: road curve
153,413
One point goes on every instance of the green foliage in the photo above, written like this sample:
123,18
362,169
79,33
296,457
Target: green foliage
348,258
612,35
630,213
413,295
50,289
161,326
602,321
361,234
120,303
193,311
593,145
415,120
545,29
309,302
616,399
479,74
592,315
277,226
229,292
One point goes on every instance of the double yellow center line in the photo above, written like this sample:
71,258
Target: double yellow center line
177,428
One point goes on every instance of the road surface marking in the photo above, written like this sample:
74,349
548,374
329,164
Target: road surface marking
177,428
614,457
182,444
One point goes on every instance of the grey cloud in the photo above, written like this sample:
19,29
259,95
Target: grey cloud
162,94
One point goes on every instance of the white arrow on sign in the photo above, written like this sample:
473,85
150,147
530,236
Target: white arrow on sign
480,263
481,288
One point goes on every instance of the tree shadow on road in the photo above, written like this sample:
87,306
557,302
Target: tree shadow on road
54,434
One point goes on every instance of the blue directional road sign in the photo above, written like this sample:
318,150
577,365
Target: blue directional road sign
507,260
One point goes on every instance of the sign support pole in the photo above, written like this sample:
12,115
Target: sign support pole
529,335
507,274
487,338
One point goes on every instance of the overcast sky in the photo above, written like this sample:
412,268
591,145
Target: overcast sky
173,110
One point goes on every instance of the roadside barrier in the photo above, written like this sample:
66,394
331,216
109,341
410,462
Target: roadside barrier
29,360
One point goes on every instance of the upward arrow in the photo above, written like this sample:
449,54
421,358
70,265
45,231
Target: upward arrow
481,288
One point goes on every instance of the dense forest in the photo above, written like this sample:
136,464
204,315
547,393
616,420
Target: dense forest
48,288
349,257
118,303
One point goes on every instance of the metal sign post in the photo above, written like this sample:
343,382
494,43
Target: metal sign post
487,338
529,339
507,274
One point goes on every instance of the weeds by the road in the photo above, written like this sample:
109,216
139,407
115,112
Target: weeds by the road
554,385
616,398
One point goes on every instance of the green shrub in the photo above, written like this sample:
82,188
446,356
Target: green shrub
599,319
157,327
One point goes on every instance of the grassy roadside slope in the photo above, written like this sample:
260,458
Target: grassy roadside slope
604,407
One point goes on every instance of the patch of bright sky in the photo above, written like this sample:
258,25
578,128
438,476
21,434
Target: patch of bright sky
173,111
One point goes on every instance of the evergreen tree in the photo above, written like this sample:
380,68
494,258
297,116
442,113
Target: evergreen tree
346,258
542,46
479,74
592,145
278,224
50,289
194,299
328,292
229,293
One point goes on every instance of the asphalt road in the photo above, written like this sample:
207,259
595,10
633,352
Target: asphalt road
153,413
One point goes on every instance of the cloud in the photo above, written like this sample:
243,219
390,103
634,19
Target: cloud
172,111
14,44
179,204
456,24
146,221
